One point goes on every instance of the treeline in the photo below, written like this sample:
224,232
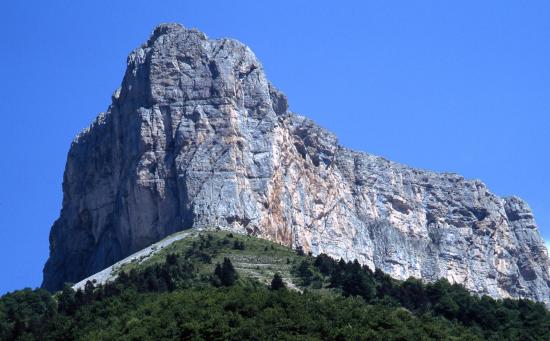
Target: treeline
506,319
172,299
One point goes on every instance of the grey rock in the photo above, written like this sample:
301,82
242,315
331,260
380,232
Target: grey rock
197,137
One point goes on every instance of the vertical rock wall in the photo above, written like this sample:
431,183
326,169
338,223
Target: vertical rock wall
196,136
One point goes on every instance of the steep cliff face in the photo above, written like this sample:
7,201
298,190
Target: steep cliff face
197,137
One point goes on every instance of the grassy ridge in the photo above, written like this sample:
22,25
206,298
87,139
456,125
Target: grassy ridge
255,259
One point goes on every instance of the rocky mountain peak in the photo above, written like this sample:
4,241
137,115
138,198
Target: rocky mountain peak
197,137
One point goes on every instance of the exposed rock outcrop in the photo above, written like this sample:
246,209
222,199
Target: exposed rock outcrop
196,137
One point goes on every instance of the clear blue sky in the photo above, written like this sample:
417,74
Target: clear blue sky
459,86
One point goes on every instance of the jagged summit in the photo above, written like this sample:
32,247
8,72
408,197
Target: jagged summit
166,28
197,137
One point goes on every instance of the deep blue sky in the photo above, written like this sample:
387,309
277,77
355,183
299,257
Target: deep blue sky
461,86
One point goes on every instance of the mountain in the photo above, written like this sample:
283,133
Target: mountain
197,137
219,285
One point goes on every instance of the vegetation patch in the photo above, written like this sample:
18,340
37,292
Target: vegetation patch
221,286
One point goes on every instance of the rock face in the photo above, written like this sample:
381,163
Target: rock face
197,137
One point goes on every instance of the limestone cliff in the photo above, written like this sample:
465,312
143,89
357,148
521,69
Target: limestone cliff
196,136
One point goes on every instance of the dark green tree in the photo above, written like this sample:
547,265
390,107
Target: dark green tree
171,259
277,282
238,245
358,281
304,272
413,295
325,264
225,273
66,301
88,292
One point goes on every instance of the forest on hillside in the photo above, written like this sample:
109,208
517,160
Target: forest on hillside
336,300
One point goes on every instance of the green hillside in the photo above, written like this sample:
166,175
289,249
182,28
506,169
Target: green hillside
253,258
216,285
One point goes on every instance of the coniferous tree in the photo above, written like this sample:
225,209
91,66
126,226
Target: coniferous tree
88,292
229,275
217,278
238,245
171,259
305,272
325,264
66,302
225,273
277,282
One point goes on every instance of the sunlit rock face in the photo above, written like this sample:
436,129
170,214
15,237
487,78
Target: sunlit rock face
196,136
